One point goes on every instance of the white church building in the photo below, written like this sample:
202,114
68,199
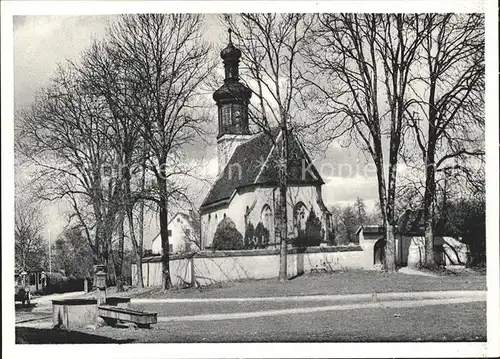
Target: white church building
246,189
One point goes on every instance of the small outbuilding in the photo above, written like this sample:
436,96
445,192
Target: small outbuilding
410,243
34,279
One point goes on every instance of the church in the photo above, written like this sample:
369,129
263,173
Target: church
246,189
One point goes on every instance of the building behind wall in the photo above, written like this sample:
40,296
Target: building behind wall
183,233
410,243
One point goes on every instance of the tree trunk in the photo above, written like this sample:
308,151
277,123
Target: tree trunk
102,248
283,225
165,256
140,279
430,190
387,212
390,248
118,259
429,159
139,251
165,252
137,245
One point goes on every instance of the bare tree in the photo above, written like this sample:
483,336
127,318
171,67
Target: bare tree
360,208
361,67
30,247
106,75
451,136
72,254
61,138
167,60
131,106
271,45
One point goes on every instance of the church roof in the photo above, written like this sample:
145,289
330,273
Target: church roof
255,163
232,90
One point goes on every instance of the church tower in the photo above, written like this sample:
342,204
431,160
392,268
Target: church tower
232,100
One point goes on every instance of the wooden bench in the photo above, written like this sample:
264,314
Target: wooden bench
112,315
319,269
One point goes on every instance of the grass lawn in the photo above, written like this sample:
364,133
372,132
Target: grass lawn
455,322
339,282
436,323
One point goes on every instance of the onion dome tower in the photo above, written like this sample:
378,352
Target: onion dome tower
232,100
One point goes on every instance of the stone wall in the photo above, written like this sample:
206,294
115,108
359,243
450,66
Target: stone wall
207,267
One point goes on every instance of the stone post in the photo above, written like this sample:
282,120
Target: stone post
191,265
101,286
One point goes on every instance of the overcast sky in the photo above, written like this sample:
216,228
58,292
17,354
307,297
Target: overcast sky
41,42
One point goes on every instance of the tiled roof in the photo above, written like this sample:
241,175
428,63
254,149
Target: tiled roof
257,159
371,229
412,223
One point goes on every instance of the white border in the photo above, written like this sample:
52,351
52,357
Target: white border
250,350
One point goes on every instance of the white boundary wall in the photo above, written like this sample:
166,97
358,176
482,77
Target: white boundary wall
206,268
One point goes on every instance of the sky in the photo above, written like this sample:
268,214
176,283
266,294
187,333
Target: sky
43,42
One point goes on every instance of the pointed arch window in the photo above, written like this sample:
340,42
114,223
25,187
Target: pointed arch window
299,217
267,217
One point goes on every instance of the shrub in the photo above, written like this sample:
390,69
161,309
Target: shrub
300,240
332,239
249,236
313,229
58,283
466,219
312,235
227,237
261,235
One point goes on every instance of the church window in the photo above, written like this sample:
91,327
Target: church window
226,116
224,215
299,217
220,118
238,116
267,217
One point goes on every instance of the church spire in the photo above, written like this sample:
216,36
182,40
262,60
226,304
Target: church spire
232,100
231,56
